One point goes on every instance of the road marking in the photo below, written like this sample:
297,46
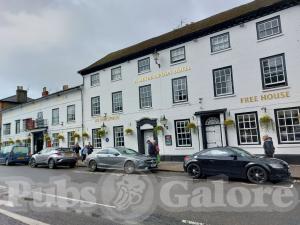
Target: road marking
75,200
193,222
23,219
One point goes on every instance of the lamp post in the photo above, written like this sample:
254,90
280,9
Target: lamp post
156,58
164,121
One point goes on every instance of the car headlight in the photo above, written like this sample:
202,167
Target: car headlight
276,166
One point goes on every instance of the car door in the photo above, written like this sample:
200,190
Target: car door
41,156
115,159
100,158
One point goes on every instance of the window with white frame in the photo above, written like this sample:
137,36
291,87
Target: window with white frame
95,80
71,139
95,103
144,65
248,129
119,136
220,42
273,71
268,27
71,113
116,74
180,91
6,129
288,125
18,126
96,139
183,134
145,97
117,102
55,116
177,55
55,140
223,84
27,143
25,125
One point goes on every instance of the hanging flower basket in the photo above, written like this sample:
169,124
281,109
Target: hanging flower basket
128,131
265,119
191,126
101,133
11,141
229,122
60,137
18,141
47,138
158,129
85,134
76,135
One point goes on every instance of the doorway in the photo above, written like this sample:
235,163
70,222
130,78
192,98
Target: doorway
144,132
38,141
213,132
148,135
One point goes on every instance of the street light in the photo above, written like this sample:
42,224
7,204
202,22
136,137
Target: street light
156,57
164,121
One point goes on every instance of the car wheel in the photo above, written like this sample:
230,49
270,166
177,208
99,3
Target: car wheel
194,170
92,166
32,163
6,162
51,164
257,175
129,167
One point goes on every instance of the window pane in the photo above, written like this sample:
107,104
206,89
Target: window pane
248,129
117,102
119,136
144,65
268,28
183,135
145,97
220,42
180,93
288,125
178,55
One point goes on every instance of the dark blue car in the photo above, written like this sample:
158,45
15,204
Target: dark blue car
14,155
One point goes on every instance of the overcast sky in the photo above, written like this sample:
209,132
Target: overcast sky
45,42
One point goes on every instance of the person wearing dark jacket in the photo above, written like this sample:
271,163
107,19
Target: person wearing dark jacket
268,146
151,149
76,149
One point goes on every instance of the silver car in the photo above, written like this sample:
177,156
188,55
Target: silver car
120,158
53,157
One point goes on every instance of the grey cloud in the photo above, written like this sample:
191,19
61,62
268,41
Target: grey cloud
45,42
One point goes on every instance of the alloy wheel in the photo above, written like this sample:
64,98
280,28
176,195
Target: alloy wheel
51,164
93,166
194,170
129,167
257,175
32,163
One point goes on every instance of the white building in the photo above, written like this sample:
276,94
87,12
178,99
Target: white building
241,65
40,122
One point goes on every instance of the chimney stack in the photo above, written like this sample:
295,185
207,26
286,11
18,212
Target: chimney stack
21,95
65,87
45,92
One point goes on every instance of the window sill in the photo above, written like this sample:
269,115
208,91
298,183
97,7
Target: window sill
270,37
179,62
181,104
188,148
98,85
288,145
225,96
95,116
145,109
117,113
224,50
71,122
144,72
116,80
276,89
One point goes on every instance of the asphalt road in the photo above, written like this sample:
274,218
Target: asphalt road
41,196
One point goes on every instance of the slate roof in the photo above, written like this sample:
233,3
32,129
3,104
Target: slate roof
221,21
13,99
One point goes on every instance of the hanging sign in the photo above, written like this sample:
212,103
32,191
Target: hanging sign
168,140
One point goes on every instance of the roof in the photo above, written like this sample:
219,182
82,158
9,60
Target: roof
45,97
13,99
218,22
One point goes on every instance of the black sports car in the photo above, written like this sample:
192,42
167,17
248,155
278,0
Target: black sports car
235,163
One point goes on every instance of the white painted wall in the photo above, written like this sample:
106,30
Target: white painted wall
243,56
45,105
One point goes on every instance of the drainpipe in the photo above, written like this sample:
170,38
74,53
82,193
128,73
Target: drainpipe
81,94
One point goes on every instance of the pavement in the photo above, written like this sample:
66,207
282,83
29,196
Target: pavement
171,166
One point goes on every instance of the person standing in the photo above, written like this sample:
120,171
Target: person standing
90,148
84,152
156,149
151,150
268,146
76,149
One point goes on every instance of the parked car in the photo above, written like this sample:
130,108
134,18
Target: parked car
14,154
235,163
120,158
54,157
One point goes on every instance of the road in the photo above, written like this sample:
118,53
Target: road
77,197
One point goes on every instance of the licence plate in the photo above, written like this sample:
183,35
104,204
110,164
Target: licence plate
153,165
20,158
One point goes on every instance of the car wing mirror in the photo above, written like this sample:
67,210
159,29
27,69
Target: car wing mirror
116,154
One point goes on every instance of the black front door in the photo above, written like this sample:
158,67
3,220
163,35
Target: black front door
38,141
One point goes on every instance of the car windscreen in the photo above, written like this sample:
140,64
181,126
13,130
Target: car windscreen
5,150
19,149
65,150
242,152
127,151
